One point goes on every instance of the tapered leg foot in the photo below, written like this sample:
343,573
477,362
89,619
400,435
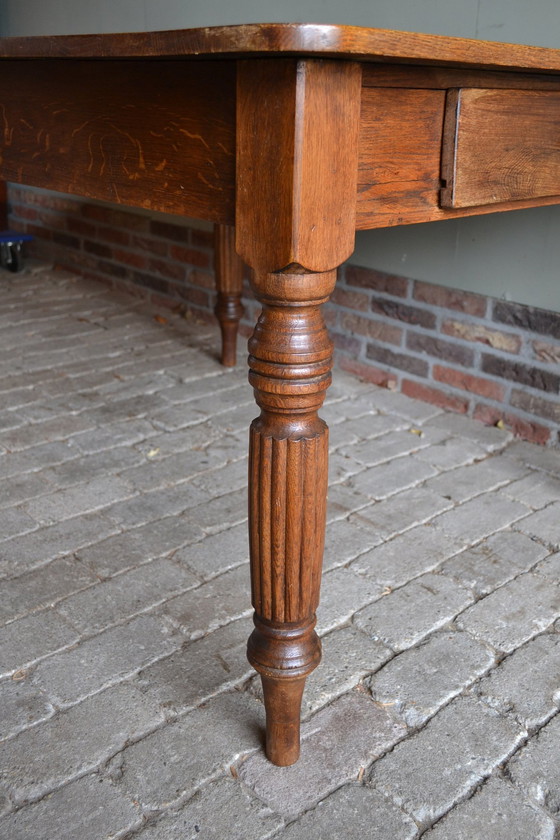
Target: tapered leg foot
229,282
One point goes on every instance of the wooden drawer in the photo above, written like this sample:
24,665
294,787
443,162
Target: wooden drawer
500,146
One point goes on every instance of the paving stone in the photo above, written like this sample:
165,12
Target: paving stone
452,453
125,595
341,467
22,705
430,772
216,602
42,587
343,501
385,480
74,742
16,522
498,811
233,476
406,556
403,511
515,613
417,682
492,438
342,593
138,545
154,505
112,435
21,554
536,490
353,812
35,434
527,683
220,513
89,808
368,427
185,754
216,553
85,498
536,768
103,660
218,810
494,561
174,469
550,567
394,402
337,743
405,616
480,517
347,539
536,457
469,481
384,447
21,488
544,525
31,638
199,669
44,455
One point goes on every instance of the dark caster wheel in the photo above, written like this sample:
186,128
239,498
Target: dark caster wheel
14,259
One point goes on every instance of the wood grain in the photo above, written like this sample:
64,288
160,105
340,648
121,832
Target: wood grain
311,39
229,283
159,136
296,180
500,146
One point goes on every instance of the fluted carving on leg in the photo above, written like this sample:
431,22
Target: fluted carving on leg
229,282
290,370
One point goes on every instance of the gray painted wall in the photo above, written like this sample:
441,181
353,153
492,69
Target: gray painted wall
511,255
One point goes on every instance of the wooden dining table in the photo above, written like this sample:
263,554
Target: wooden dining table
289,138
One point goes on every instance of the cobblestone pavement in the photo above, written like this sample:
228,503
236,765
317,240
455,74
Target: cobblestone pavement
128,707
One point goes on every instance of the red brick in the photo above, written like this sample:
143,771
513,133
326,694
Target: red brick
115,218
434,396
116,237
527,318
202,238
76,225
547,352
24,212
402,361
369,278
534,432
377,330
130,258
479,333
350,299
178,233
370,373
346,343
403,312
98,249
198,297
190,256
202,278
66,240
440,349
172,270
546,409
450,298
153,246
534,377
467,382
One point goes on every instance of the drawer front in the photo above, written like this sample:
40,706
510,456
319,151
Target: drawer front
500,146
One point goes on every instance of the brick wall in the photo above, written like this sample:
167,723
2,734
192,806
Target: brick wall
494,360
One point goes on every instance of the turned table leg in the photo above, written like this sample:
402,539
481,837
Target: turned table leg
296,170
229,282
290,370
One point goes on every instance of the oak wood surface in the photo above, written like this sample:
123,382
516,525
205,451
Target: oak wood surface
500,145
310,39
297,142
155,136
228,269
